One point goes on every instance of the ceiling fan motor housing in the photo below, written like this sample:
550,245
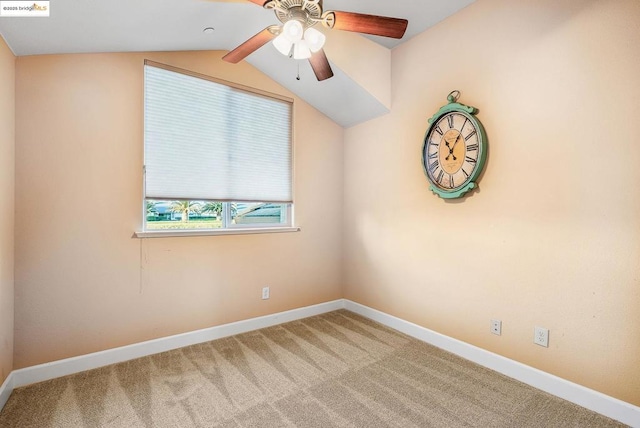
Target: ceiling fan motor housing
308,12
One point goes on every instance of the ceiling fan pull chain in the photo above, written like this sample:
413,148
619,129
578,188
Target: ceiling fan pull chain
298,76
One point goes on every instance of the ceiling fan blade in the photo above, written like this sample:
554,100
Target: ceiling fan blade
320,65
368,24
250,46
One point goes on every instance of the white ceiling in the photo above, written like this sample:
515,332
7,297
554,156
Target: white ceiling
172,25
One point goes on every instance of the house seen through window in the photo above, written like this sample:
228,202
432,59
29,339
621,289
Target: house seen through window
216,155
167,215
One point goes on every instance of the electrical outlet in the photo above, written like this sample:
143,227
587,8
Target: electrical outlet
496,327
541,336
265,293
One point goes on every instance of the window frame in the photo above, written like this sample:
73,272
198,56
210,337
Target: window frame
226,213
228,227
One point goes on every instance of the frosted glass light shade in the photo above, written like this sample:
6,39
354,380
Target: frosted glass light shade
293,30
283,44
301,50
315,39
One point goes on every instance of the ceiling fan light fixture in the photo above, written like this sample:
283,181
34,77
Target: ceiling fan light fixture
283,44
295,38
315,39
301,50
293,30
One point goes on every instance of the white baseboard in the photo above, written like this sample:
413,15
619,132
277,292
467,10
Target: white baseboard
6,389
81,363
580,395
585,397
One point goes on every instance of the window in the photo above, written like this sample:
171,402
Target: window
216,155
203,215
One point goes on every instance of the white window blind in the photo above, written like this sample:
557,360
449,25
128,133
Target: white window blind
205,140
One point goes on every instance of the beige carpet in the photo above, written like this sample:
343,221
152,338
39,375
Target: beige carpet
332,370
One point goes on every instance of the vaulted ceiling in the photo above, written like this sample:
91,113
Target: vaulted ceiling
359,90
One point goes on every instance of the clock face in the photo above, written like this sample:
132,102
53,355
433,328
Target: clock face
452,154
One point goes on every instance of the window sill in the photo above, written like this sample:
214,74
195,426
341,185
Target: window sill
212,232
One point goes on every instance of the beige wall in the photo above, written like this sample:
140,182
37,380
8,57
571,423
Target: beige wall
552,238
83,284
7,155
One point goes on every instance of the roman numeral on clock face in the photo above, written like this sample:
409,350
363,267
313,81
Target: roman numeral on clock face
438,130
434,165
463,125
470,160
433,155
471,134
450,120
440,176
472,147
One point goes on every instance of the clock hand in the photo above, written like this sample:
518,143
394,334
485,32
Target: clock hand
451,148
446,142
455,142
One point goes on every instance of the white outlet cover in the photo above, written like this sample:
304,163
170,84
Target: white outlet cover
541,336
496,327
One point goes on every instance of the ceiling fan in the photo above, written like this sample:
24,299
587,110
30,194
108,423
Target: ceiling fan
296,37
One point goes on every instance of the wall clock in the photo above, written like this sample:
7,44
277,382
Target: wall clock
454,150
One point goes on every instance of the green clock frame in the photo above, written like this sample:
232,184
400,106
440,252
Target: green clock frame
469,113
